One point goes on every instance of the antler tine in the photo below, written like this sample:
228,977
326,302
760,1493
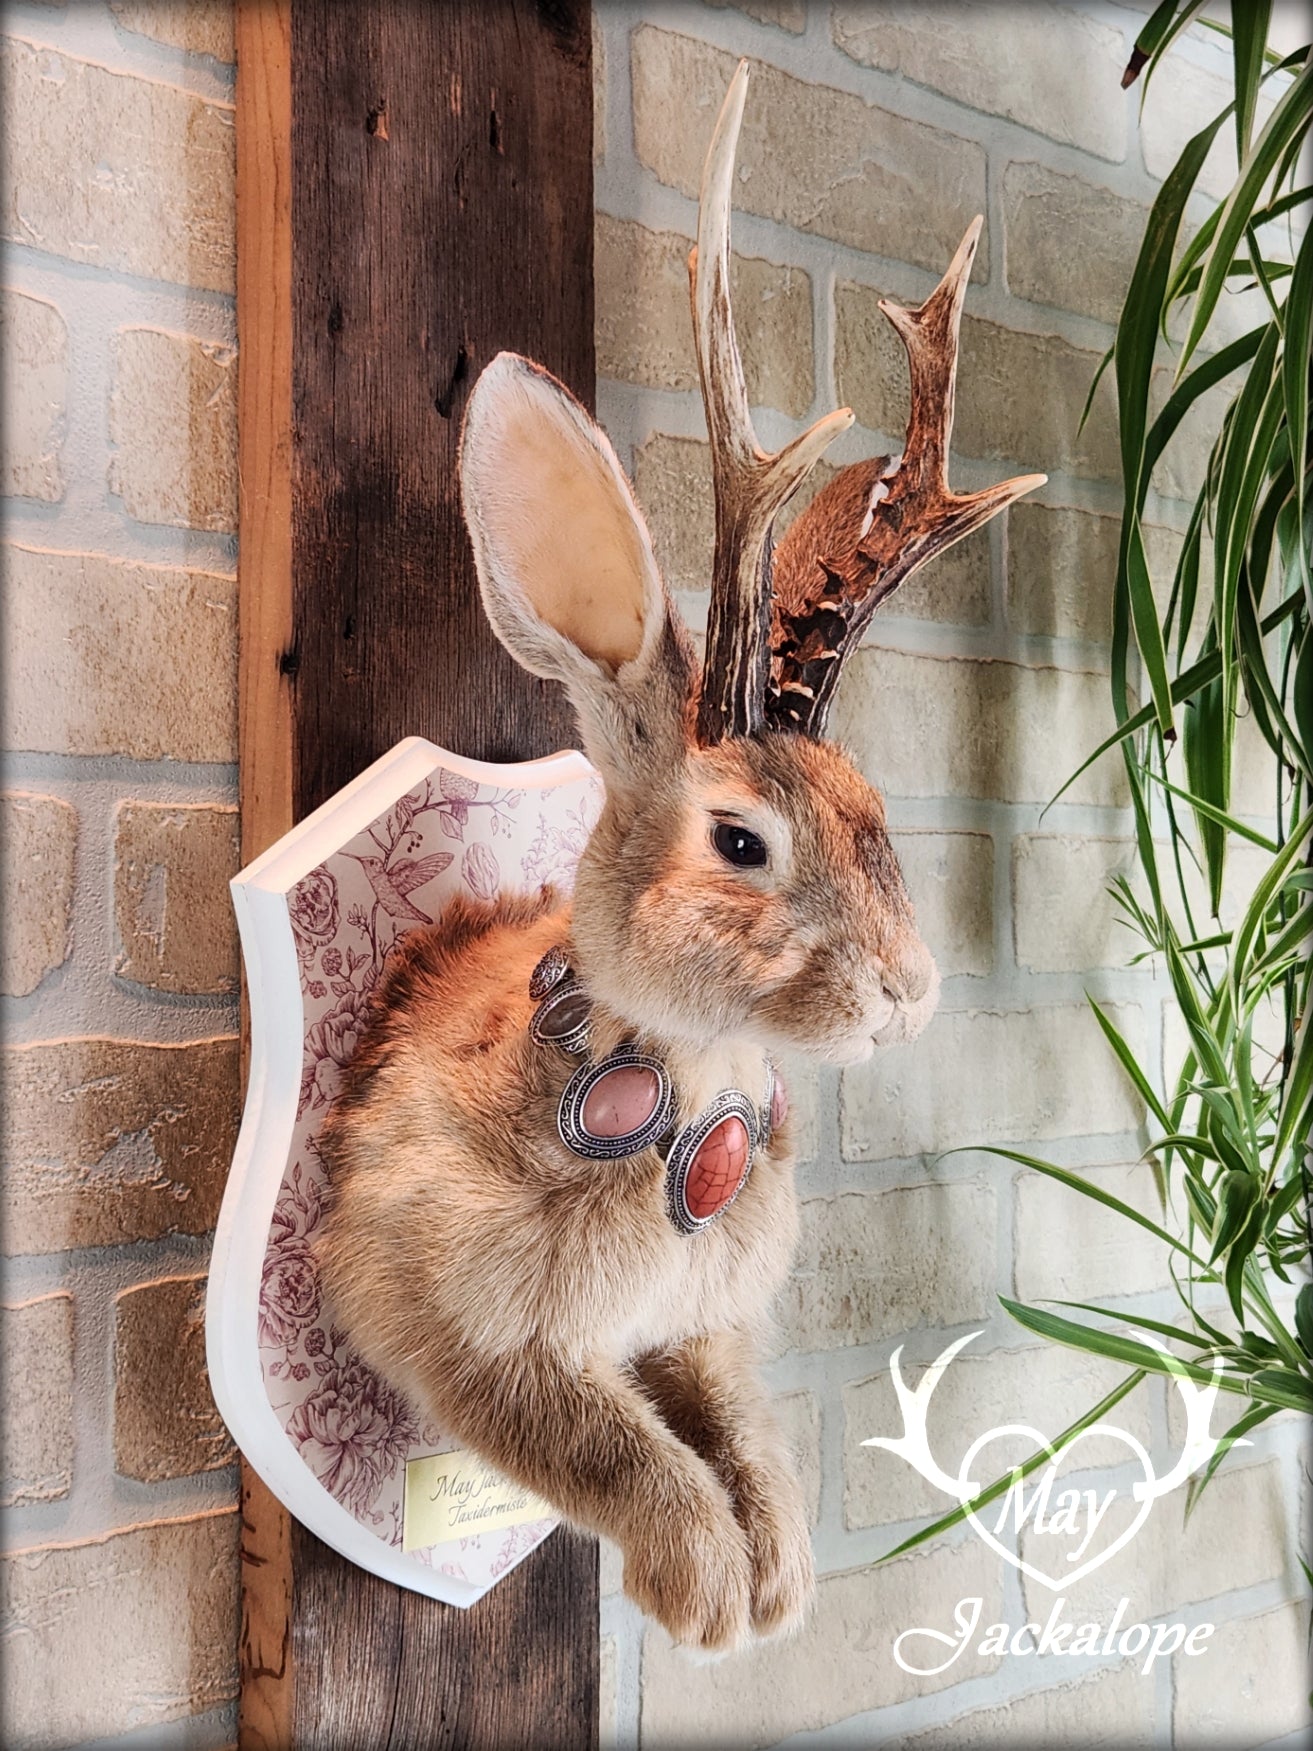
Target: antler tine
867,532
749,484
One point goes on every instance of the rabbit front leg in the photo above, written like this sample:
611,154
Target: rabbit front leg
588,1441
708,1392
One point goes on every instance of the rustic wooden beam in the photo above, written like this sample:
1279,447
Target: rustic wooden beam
414,193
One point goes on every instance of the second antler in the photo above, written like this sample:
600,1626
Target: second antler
779,634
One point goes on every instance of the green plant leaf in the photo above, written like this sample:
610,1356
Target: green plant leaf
1219,815
1250,24
1280,1387
1288,120
1001,1485
1294,1119
1247,931
1129,1064
1294,378
1143,1322
1260,1413
1089,1190
1304,1318
1206,375
1186,685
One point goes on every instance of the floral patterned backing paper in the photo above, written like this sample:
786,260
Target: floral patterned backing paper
446,836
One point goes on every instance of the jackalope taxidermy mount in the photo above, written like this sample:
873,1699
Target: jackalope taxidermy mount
561,1164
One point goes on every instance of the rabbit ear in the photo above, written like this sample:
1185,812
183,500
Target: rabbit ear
565,562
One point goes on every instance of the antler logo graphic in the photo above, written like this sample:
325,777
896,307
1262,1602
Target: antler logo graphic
1073,1514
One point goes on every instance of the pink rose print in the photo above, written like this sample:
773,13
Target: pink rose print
313,908
351,1432
289,1292
330,1046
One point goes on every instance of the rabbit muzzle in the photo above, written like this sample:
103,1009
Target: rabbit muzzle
910,990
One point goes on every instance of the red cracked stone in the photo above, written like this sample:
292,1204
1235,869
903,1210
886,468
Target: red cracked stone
716,1171
620,1101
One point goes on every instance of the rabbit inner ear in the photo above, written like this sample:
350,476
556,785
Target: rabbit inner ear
571,539
556,516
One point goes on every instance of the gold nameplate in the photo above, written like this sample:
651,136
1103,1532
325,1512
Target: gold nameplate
454,1495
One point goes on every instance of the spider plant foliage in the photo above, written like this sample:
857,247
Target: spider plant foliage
1222,639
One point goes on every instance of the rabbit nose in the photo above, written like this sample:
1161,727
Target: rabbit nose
907,975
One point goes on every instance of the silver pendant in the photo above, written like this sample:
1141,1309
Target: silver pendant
549,972
709,1161
583,1119
563,1018
766,1111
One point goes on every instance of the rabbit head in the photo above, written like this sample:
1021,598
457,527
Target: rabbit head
740,880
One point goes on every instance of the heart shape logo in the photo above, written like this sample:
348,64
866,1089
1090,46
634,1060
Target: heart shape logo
1040,1501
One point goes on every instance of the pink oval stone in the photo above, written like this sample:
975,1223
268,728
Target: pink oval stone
717,1170
779,1103
620,1101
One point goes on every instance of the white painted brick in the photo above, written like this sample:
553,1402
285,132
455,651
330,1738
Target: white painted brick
173,420
131,1629
800,1419
1062,566
1251,1685
1072,63
607,1735
1171,1562
36,1349
202,27
1069,1247
980,1076
610,1568
821,160
1019,395
1184,98
1049,218
1064,919
38,844
1048,1388
1182,467
1111,1710
950,877
935,726
645,332
106,656
790,15
839,1664
34,359
873,1264
117,171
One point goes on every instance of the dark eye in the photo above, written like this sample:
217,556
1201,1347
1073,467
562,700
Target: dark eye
739,847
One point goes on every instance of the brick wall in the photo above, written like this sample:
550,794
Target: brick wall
872,137
119,965
873,133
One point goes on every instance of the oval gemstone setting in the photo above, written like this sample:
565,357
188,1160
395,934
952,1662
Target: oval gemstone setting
616,1107
710,1160
562,1018
716,1170
620,1101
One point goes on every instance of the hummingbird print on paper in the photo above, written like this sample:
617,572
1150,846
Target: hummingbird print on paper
391,886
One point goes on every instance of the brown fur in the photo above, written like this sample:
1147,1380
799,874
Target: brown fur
542,1305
